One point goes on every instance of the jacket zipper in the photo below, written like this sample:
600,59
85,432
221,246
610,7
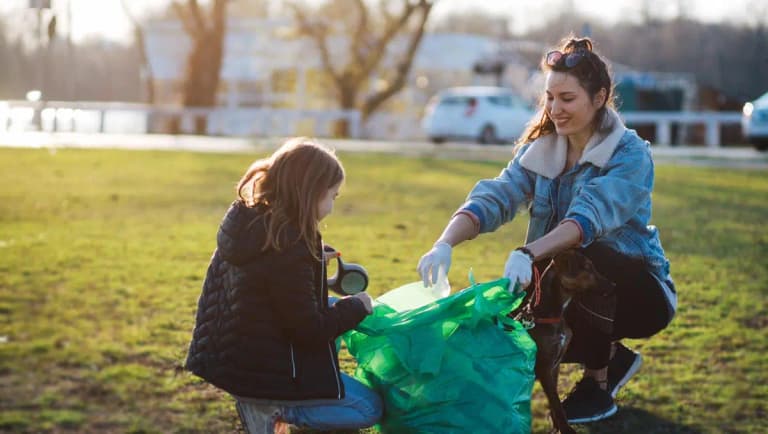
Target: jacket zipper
330,350
293,363
335,371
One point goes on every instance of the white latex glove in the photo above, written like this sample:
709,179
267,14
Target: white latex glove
432,261
518,268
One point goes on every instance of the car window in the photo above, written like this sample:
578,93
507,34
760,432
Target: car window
457,101
502,100
520,103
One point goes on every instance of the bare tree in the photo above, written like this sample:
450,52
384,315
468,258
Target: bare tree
369,41
728,58
250,8
201,76
757,14
140,42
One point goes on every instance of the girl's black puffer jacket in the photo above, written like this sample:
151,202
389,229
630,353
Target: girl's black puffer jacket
263,326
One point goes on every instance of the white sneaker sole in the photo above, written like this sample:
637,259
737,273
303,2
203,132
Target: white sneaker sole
630,373
600,416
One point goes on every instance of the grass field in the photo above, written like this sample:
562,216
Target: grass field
102,254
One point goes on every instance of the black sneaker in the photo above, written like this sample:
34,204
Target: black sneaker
623,366
587,402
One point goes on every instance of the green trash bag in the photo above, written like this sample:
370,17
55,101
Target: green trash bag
450,365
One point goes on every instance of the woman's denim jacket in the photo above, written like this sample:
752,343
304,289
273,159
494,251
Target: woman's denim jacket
607,193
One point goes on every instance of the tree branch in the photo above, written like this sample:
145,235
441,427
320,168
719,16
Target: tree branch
360,32
384,11
404,66
219,15
142,47
319,33
380,47
186,21
197,17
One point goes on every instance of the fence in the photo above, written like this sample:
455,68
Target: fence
663,121
255,121
99,117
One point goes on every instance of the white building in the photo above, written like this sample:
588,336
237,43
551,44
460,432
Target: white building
265,65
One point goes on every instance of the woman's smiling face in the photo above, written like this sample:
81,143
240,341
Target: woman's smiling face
570,107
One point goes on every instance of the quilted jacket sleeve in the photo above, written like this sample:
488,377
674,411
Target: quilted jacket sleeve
293,293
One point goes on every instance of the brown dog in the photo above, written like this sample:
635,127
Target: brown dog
570,276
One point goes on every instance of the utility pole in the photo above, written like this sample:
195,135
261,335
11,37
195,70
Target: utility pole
72,69
40,5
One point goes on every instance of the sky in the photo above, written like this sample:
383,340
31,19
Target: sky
608,10
106,18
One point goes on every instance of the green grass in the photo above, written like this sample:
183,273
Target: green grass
102,254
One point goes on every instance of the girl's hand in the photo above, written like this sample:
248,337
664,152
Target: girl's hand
366,299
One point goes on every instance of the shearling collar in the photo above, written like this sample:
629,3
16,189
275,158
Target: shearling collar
547,155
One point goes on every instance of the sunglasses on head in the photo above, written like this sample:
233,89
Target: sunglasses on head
571,58
568,59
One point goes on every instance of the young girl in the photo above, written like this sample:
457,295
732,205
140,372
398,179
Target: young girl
264,330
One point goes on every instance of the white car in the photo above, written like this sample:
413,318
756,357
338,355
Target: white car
485,114
754,122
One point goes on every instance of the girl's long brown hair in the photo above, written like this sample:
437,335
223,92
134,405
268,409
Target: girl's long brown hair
289,185
592,73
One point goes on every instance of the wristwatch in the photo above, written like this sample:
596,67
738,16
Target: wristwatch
527,252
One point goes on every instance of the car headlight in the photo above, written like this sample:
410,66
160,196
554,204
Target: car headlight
748,109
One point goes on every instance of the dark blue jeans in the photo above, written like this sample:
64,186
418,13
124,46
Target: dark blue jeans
360,408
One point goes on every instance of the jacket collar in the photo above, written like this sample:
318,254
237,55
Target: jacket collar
547,155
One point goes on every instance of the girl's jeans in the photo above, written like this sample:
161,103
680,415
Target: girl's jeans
360,408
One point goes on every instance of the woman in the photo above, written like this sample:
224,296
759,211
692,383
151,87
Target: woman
587,181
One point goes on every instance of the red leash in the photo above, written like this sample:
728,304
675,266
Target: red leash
537,297
536,286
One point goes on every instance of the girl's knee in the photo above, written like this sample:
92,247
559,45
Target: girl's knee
371,409
378,411
367,404
371,418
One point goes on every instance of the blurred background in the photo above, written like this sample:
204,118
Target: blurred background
685,71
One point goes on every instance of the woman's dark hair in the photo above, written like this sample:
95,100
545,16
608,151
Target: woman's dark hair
575,57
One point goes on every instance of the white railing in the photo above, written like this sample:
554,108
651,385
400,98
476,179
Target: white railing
121,117
404,127
664,121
